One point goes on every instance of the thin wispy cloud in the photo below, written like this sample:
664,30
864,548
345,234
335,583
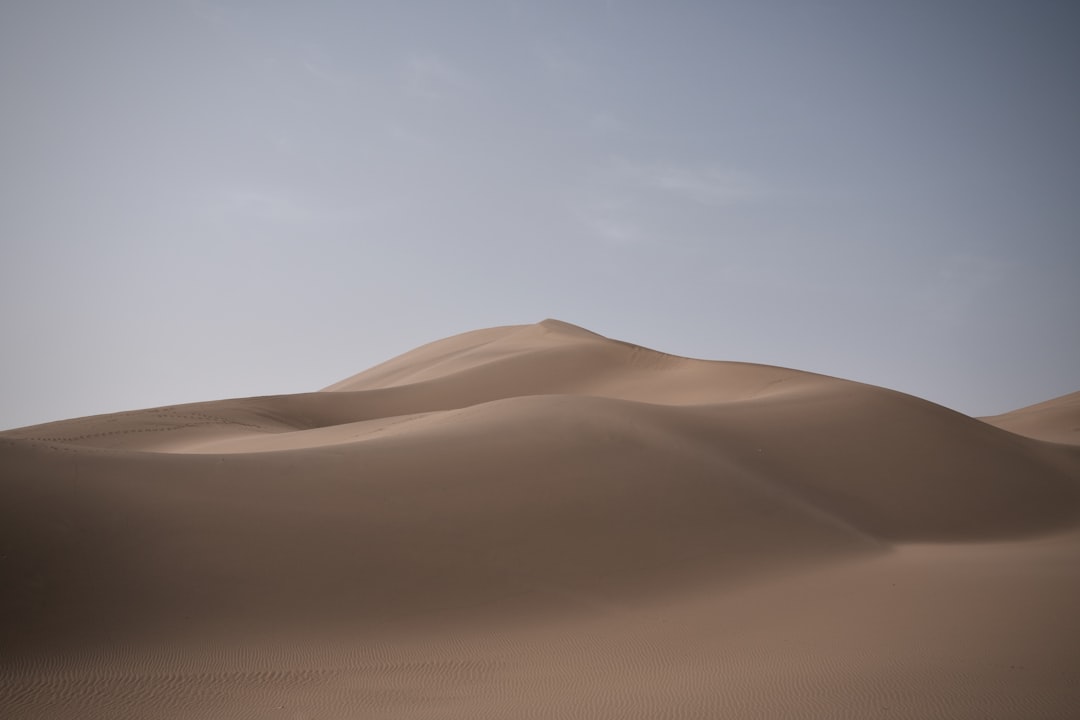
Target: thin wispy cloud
957,287
216,14
320,66
620,199
277,207
708,185
611,224
556,61
605,123
430,77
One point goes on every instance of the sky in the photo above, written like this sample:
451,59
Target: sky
202,199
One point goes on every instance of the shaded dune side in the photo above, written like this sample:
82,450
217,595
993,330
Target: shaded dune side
536,466
1056,420
498,510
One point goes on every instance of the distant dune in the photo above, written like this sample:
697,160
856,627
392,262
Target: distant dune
538,521
1056,420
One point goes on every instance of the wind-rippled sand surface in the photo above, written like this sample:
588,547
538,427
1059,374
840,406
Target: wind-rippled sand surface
536,521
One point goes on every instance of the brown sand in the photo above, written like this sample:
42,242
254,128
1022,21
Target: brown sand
1056,420
537,521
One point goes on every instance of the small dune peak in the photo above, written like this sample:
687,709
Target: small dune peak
561,326
1055,420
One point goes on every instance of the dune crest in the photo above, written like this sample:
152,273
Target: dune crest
492,483
1056,420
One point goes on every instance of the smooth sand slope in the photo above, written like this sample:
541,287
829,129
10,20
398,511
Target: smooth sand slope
1056,420
537,521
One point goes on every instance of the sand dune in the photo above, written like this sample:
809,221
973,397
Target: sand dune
1056,420
540,521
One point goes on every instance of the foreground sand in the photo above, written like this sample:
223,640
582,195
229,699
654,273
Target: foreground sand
536,521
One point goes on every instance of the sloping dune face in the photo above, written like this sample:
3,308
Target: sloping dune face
538,516
1056,420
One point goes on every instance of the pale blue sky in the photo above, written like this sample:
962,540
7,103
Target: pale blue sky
215,198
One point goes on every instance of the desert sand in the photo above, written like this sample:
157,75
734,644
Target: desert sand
538,521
